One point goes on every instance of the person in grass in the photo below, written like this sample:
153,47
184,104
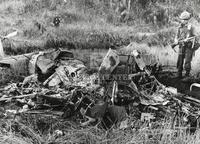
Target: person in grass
186,44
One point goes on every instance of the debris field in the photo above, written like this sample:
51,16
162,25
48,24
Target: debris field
124,87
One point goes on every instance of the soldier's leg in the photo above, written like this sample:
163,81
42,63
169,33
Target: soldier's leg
188,59
180,61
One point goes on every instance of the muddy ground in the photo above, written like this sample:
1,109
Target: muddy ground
171,79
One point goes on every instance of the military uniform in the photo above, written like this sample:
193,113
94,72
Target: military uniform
186,47
185,50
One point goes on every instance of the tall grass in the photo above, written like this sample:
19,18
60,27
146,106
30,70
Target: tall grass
83,25
39,129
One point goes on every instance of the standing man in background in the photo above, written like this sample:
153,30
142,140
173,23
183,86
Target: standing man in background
186,44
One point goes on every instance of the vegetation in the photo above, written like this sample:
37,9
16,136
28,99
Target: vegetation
38,129
89,24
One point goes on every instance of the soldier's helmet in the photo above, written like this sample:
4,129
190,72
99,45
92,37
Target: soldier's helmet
185,15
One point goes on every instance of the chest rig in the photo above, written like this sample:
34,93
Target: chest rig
183,32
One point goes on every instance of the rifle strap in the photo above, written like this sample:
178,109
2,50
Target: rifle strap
193,42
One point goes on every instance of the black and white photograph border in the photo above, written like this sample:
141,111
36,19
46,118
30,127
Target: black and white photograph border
99,71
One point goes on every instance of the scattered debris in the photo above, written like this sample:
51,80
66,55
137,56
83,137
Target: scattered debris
147,117
60,85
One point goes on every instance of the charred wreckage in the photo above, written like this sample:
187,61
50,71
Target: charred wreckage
123,87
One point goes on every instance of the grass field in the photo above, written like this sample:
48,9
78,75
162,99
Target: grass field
40,129
80,28
89,28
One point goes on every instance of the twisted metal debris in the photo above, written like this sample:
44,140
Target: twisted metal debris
62,86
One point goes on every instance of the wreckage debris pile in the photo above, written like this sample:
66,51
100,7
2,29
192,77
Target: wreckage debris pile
62,86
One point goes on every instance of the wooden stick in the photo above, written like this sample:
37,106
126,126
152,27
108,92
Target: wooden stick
17,97
23,96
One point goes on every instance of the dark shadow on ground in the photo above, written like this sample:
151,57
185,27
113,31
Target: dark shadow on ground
170,79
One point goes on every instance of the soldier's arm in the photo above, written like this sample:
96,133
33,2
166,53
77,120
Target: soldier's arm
189,34
176,39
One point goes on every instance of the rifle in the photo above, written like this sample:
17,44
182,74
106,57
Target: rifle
182,41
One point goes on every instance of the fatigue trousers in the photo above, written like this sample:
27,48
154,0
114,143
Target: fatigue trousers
185,52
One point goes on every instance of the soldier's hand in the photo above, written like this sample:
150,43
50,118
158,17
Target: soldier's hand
185,40
175,41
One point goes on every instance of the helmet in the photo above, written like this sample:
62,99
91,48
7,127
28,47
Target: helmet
185,15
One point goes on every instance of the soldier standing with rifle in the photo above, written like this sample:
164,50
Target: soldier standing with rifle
186,44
